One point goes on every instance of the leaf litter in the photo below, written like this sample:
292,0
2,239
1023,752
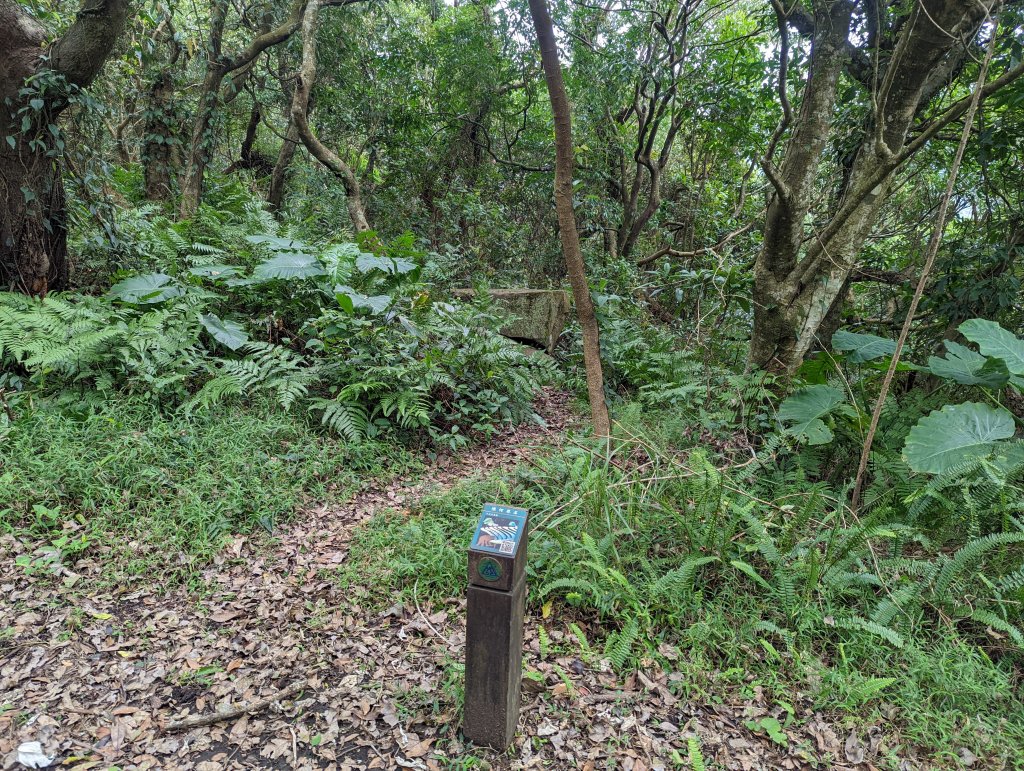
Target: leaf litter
92,678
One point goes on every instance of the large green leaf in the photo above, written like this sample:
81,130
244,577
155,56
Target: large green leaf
278,244
955,434
366,262
214,271
968,367
145,290
289,265
862,347
349,299
228,333
995,341
805,410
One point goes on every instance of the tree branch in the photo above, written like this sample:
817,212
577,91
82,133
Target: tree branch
933,249
80,53
669,251
198,721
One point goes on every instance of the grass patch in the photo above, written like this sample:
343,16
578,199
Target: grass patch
164,491
424,552
743,580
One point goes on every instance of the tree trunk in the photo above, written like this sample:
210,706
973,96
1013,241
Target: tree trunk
33,226
159,134
218,67
802,276
201,146
249,157
567,217
279,176
300,117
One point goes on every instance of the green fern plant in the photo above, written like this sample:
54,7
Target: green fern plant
266,368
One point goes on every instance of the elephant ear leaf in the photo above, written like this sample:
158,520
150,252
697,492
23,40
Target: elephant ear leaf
289,265
967,367
226,332
956,434
147,289
995,341
861,347
805,409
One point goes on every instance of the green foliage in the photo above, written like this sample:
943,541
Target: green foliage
149,289
674,550
424,553
696,757
163,493
290,261
269,369
998,343
211,359
84,347
374,354
860,348
805,409
228,333
955,434
967,367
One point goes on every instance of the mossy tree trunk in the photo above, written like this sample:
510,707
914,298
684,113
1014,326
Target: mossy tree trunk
903,58
33,217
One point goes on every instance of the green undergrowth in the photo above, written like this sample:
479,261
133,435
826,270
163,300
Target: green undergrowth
149,491
743,577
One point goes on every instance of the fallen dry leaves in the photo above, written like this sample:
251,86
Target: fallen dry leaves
96,677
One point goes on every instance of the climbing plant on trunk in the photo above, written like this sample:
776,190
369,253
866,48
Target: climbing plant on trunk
40,78
897,61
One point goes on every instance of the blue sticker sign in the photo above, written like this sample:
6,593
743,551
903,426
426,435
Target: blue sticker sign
499,530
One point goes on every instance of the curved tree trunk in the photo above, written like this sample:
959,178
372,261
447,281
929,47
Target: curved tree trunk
219,67
567,217
33,227
300,118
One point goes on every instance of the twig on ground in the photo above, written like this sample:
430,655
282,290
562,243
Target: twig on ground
196,721
602,698
426,620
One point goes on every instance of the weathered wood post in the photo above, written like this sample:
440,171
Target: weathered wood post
496,599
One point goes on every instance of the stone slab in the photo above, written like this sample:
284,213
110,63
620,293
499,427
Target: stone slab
537,315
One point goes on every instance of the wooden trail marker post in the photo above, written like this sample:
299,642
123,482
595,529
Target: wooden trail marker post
496,599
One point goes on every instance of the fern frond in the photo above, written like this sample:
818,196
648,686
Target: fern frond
878,630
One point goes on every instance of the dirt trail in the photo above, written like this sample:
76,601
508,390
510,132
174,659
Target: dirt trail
97,677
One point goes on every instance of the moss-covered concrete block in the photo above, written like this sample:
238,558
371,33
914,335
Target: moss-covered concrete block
536,315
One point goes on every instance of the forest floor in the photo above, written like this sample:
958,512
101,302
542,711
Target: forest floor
97,674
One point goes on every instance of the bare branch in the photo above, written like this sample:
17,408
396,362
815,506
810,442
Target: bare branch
670,252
